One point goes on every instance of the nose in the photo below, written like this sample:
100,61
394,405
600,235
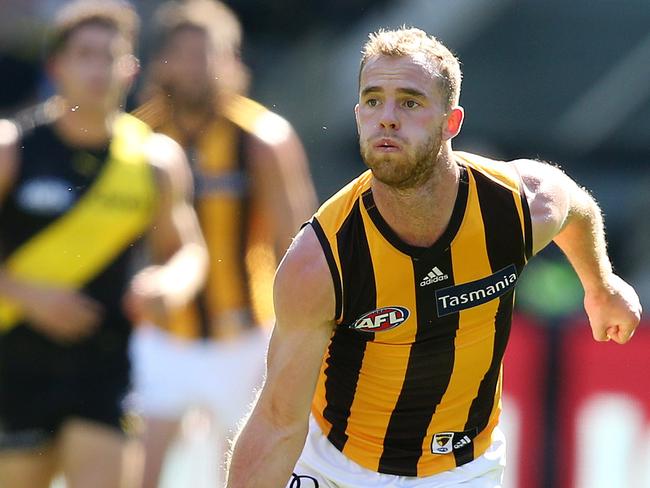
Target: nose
389,119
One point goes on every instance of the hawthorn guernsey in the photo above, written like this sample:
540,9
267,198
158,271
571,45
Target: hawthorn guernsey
455,298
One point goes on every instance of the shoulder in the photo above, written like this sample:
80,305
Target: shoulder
333,212
501,172
303,283
548,194
153,112
9,134
9,137
170,165
271,136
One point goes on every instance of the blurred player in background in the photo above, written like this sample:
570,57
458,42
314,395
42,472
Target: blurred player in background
253,190
82,185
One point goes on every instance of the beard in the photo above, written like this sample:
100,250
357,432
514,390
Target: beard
404,170
192,98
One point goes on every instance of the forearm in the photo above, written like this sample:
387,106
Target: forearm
582,239
184,273
14,290
265,454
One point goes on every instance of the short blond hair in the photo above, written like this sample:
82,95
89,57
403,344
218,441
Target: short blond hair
416,43
212,17
113,14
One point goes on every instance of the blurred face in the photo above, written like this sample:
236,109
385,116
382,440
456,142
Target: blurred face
400,119
94,68
187,67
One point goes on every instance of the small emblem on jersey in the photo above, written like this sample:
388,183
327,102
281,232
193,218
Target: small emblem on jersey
442,443
446,442
460,297
45,196
382,319
434,276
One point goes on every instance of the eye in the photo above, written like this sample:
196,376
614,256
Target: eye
411,104
372,102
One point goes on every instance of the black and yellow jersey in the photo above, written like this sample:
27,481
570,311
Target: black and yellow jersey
241,250
74,219
411,381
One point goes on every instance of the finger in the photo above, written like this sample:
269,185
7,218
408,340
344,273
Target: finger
600,333
624,333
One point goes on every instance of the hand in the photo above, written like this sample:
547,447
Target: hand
614,311
63,315
145,301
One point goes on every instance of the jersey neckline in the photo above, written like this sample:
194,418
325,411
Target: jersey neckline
443,241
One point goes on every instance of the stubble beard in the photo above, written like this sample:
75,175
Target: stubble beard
192,100
403,171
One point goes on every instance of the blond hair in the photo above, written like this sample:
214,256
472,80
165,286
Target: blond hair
113,14
441,62
213,17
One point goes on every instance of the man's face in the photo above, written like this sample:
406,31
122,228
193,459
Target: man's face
187,66
400,117
94,68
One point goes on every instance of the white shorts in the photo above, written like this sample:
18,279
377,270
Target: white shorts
321,465
171,375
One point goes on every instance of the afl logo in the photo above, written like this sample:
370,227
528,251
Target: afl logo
382,319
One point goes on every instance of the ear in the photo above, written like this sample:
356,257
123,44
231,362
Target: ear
453,123
129,67
356,116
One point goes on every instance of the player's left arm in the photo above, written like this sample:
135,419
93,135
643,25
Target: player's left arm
177,248
281,179
563,212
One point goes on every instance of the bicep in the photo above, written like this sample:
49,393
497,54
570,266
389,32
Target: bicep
304,307
8,155
175,221
283,183
548,193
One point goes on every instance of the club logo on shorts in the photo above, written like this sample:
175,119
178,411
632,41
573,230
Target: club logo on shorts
381,319
446,442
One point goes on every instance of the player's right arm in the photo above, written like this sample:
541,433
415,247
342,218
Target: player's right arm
270,443
63,315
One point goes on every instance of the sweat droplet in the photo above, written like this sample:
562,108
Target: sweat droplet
75,108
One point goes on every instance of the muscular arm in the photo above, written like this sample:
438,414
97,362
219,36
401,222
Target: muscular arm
175,239
8,156
268,447
281,178
565,213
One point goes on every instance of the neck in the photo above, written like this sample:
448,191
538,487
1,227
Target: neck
84,128
190,118
419,215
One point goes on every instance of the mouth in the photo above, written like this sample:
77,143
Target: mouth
387,145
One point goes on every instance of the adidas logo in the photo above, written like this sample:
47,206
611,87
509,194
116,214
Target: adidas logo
463,442
434,276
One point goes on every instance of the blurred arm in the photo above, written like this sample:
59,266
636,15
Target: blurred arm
8,156
565,213
175,239
269,445
282,180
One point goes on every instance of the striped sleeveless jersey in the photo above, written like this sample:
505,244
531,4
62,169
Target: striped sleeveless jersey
411,381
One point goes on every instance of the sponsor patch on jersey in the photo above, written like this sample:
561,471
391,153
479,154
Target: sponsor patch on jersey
45,196
446,442
460,297
381,319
